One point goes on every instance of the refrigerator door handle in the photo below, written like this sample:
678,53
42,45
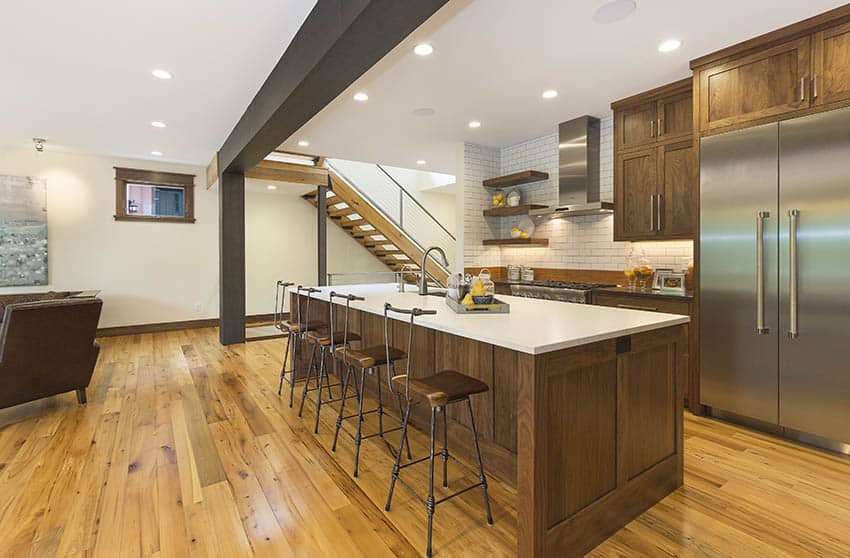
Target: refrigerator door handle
760,327
793,216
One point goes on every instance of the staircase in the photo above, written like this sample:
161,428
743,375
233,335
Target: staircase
361,220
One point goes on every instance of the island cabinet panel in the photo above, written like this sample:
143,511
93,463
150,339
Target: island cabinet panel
599,440
505,366
475,359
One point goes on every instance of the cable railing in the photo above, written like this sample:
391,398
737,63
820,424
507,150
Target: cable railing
399,205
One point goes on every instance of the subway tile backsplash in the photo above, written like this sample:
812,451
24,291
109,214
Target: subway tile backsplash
577,243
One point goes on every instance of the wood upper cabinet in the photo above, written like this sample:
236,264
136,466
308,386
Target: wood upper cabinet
635,126
635,187
655,184
675,115
831,65
678,178
798,70
761,85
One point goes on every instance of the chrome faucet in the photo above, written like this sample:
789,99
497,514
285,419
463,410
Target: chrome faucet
423,275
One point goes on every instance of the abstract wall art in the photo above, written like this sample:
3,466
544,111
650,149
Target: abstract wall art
23,231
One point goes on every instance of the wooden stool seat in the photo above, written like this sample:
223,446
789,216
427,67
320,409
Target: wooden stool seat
443,387
296,327
370,356
325,339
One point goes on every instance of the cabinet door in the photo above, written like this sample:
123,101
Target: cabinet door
675,116
678,179
759,86
635,187
636,126
831,72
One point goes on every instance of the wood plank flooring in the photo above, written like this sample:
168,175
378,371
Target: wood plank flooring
185,449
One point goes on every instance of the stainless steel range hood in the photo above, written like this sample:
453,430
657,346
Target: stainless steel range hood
578,171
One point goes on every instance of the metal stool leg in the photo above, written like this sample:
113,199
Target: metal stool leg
401,442
401,416
321,376
348,374
283,366
429,503
295,341
481,478
307,380
327,372
445,451
380,404
358,438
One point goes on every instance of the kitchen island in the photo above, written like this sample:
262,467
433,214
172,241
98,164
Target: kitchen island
584,412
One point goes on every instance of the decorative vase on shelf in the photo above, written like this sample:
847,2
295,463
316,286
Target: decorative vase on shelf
513,198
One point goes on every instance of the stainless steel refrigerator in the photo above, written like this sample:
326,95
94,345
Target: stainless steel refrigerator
775,274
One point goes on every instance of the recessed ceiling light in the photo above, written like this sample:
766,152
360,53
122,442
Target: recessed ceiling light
550,94
304,143
423,49
162,74
361,97
271,187
158,124
614,11
420,162
669,45
424,111
156,153
474,124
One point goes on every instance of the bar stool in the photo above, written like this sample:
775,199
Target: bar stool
444,388
297,329
326,342
368,360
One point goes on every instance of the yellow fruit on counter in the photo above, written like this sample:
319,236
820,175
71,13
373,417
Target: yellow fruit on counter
467,300
523,234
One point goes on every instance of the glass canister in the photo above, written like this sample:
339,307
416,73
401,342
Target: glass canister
487,282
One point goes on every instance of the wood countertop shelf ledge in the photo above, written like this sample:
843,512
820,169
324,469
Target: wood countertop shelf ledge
516,179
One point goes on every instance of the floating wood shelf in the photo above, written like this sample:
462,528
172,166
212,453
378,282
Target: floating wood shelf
516,210
517,242
515,179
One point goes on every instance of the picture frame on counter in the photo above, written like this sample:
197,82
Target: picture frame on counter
671,282
656,281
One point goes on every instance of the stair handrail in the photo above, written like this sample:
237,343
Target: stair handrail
378,208
412,197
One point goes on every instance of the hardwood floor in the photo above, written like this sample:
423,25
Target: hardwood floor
185,449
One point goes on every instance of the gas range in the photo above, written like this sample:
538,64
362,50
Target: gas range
563,291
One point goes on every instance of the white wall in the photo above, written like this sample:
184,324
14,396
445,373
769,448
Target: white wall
280,243
146,272
577,243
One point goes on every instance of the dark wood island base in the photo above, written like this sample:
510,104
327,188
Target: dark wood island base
591,435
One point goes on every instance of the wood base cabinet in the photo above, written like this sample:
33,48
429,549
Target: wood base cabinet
655,165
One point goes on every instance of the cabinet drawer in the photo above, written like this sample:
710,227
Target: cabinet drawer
643,303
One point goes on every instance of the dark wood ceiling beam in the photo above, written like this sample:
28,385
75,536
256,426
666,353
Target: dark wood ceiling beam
338,42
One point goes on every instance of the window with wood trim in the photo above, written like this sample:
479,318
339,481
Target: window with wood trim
144,195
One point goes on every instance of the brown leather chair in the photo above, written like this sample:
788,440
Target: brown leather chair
47,348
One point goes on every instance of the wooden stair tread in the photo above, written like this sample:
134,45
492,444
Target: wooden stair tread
347,224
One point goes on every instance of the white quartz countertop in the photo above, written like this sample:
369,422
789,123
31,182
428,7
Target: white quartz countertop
533,326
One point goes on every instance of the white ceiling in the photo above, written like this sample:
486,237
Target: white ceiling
78,73
494,58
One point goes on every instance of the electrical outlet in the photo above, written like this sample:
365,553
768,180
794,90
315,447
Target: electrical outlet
196,307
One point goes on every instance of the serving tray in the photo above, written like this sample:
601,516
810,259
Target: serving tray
497,307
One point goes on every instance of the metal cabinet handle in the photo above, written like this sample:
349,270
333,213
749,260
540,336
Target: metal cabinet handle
659,221
802,89
660,132
793,215
652,128
815,87
652,213
635,307
760,217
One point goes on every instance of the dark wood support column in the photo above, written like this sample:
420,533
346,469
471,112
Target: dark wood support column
322,233
231,254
